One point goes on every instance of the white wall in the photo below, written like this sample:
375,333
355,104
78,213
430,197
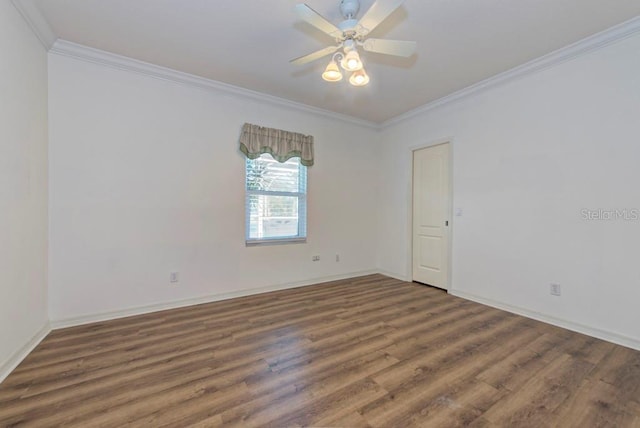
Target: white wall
146,178
23,187
528,157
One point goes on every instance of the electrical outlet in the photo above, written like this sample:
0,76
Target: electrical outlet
315,258
337,257
174,277
555,289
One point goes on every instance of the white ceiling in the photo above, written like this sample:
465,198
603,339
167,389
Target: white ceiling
248,43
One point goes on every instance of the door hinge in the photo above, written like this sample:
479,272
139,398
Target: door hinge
446,223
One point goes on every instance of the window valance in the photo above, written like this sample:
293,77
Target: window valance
282,145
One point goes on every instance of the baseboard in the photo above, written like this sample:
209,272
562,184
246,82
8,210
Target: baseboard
608,336
20,354
106,316
394,275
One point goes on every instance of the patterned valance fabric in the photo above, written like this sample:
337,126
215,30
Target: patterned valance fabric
282,145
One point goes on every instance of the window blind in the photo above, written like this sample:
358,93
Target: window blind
276,200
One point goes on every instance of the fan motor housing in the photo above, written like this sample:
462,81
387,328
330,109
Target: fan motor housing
349,8
348,26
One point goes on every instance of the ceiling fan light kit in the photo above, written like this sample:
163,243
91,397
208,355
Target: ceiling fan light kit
350,34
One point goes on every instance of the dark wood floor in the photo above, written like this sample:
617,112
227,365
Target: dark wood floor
371,351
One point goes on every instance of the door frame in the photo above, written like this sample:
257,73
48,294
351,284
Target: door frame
412,149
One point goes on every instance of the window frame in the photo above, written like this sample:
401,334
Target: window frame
301,237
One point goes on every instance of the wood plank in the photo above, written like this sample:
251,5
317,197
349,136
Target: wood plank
440,371
546,392
364,352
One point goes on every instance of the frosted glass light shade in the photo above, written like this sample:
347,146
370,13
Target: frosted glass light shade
351,61
359,78
332,73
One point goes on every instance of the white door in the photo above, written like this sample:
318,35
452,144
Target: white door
431,206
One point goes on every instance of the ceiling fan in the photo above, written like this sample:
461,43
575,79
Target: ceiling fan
351,34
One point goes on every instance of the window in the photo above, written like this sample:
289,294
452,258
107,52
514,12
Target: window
276,201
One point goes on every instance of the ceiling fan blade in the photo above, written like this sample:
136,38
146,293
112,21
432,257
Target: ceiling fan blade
390,47
314,18
315,55
377,13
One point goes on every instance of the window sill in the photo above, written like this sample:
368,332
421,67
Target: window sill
283,241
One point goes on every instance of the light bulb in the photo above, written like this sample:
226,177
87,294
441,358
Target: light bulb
332,72
359,78
351,61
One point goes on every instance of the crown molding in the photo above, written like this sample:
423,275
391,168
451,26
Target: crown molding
32,15
96,56
36,21
582,47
